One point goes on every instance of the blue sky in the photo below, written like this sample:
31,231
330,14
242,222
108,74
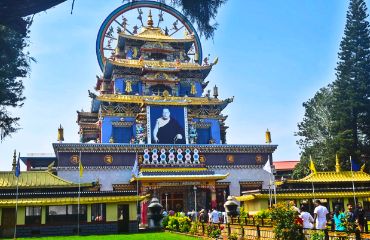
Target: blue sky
273,56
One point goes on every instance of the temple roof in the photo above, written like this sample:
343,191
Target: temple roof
331,177
135,63
68,200
179,176
159,100
133,148
305,195
285,165
35,179
153,34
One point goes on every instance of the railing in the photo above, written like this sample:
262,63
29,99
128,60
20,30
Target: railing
262,228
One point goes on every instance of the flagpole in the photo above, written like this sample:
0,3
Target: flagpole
79,193
353,182
16,212
137,193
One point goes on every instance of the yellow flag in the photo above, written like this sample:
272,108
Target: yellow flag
363,167
81,168
312,165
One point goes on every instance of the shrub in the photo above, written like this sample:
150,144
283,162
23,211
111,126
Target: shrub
165,222
285,221
233,236
178,224
213,230
194,227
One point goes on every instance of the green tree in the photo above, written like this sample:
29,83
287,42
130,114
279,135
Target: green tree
14,65
337,118
315,134
201,12
351,89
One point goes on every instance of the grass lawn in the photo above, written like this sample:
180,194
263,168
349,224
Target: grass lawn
141,236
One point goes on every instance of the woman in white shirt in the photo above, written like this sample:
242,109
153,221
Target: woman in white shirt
306,218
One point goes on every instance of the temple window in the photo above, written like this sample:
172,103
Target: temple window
33,215
65,214
98,212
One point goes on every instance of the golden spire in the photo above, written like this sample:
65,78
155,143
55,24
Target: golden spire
150,19
268,136
14,164
337,165
60,134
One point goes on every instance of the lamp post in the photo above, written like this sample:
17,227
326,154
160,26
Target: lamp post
166,201
195,198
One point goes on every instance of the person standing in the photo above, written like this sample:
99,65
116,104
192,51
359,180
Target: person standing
360,216
350,214
339,218
215,216
320,213
306,218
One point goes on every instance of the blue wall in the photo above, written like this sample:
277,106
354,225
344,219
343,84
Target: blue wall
107,128
215,129
120,84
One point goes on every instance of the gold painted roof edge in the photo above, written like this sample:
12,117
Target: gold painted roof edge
69,200
305,195
159,100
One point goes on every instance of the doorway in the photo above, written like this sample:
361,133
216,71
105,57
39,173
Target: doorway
175,201
123,217
8,222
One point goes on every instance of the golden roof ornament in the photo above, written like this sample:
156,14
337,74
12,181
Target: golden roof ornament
128,88
268,136
14,164
337,165
60,134
193,89
150,19
215,91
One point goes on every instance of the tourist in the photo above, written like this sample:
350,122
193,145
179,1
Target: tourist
164,213
306,218
320,213
294,206
215,218
338,219
350,215
203,216
209,216
360,216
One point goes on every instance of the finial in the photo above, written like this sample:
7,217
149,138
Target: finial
60,134
337,165
268,136
150,19
14,164
215,91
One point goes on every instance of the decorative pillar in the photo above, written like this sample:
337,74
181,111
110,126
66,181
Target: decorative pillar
43,214
144,208
88,215
213,196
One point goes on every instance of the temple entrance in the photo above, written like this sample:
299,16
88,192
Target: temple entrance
123,218
7,222
175,201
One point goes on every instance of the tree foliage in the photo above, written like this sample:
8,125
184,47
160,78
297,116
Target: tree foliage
201,12
14,65
337,118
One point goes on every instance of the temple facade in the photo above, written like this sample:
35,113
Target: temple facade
152,128
331,188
